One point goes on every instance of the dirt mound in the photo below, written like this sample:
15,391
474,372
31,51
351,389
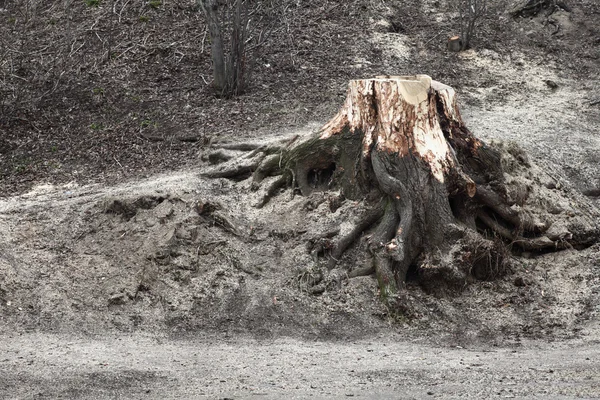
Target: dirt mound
139,257
182,254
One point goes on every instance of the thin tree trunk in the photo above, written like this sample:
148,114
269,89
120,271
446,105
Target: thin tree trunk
210,9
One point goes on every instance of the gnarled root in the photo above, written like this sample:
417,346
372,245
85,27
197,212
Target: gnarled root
309,165
445,207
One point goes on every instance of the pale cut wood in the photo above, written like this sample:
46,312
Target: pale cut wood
398,114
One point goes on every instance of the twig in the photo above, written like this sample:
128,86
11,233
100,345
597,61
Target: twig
125,51
123,8
203,39
19,77
73,52
427,42
120,165
91,28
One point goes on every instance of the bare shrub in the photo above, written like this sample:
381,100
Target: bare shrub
470,13
239,26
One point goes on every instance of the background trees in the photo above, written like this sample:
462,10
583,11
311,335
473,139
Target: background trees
470,14
237,29
227,19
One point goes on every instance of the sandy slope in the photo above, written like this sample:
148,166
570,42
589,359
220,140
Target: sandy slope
39,365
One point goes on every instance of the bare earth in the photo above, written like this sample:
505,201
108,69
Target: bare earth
226,365
123,290
49,366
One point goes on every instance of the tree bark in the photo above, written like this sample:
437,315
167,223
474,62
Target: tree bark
444,207
210,9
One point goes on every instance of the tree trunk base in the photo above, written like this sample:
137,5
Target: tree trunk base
448,206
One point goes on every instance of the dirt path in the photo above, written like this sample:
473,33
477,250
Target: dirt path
44,366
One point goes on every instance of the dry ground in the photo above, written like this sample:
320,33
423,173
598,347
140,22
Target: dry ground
48,366
101,235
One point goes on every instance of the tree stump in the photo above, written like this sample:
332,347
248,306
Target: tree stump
455,44
438,197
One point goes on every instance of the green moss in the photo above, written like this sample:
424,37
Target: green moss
155,3
148,123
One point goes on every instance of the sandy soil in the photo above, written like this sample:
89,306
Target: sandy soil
140,255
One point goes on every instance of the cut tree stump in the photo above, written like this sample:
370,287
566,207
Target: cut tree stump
455,44
439,199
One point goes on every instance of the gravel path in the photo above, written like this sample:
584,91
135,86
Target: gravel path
45,366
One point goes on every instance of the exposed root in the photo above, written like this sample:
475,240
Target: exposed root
362,271
238,146
280,183
533,244
219,156
363,224
378,246
442,192
240,169
271,165
503,209
321,244
261,161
